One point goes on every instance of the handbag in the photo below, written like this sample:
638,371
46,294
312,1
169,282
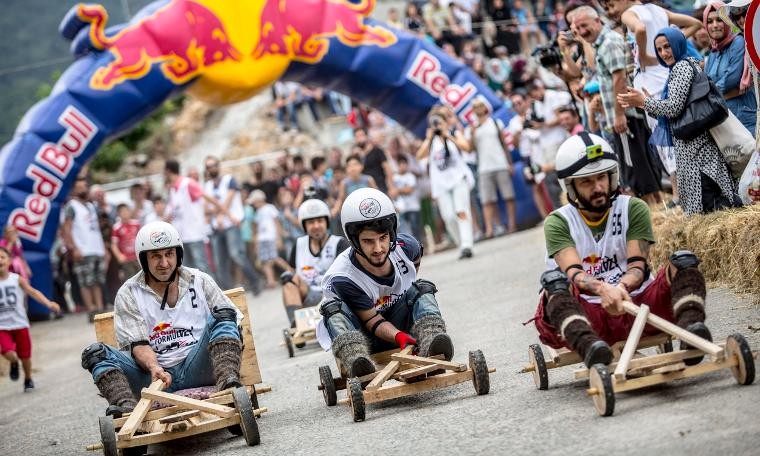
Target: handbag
735,142
705,108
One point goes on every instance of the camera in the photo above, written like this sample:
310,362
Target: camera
549,55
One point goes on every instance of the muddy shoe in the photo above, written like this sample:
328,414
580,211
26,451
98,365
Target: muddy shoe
14,371
361,366
598,352
441,345
701,330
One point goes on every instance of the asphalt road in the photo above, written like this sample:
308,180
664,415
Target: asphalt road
484,300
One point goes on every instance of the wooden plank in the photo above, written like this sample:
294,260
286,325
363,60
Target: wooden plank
104,330
634,335
669,368
406,389
419,360
179,416
158,437
416,371
250,374
646,362
160,413
136,417
188,403
663,325
656,379
388,371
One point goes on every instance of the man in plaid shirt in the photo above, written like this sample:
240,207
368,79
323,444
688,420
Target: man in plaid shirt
627,130
172,323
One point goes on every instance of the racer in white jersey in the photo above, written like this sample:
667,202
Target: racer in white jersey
601,240
15,341
373,300
172,323
310,258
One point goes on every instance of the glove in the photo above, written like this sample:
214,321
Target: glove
403,339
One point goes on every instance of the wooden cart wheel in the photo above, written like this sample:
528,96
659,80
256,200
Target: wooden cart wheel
744,372
288,343
328,386
247,419
356,397
600,380
540,372
107,436
480,376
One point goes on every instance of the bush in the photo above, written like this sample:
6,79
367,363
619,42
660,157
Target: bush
110,157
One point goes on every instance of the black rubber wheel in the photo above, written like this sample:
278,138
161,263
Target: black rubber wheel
288,343
481,379
540,372
247,418
235,429
356,396
601,380
744,372
328,386
135,451
107,436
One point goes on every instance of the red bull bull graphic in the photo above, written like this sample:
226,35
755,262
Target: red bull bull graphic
198,40
289,28
220,52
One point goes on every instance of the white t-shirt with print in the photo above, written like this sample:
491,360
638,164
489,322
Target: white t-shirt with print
266,228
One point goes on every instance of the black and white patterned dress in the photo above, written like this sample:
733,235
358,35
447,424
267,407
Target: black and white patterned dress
701,154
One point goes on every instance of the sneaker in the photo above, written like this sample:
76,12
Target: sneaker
466,253
701,330
14,371
28,385
598,353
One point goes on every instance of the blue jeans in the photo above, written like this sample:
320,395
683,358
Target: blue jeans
402,315
194,371
228,246
195,256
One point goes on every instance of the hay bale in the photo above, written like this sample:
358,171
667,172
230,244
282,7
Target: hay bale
727,242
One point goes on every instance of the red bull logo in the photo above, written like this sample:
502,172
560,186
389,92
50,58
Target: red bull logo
161,327
184,37
302,29
592,259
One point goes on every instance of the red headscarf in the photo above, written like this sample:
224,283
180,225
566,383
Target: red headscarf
728,35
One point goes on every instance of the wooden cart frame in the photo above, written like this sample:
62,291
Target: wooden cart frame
631,369
412,375
235,409
305,330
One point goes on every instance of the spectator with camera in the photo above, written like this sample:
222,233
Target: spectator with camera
450,178
627,128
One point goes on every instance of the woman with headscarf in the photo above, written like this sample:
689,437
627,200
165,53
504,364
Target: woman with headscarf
704,181
726,65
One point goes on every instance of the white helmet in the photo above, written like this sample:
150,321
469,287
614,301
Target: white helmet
584,155
312,209
368,208
156,236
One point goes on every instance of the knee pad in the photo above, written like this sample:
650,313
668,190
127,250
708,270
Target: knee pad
684,259
420,287
330,308
554,282
93,355
224,314
286,278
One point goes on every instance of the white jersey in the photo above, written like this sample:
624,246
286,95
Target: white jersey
607,258
447,174
85,229
653,77
383,296
220,194
12,308
188,216
174,331
312,268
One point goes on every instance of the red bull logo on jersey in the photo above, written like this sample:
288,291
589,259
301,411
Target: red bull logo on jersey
386,302
301,29
184,37
596,265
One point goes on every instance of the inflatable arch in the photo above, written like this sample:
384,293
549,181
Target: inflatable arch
220,52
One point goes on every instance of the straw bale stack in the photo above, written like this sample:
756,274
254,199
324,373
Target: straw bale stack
727,242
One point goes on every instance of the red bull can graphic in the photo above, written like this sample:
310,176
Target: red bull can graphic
301,30
183,37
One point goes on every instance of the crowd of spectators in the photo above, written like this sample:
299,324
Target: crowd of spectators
560,67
